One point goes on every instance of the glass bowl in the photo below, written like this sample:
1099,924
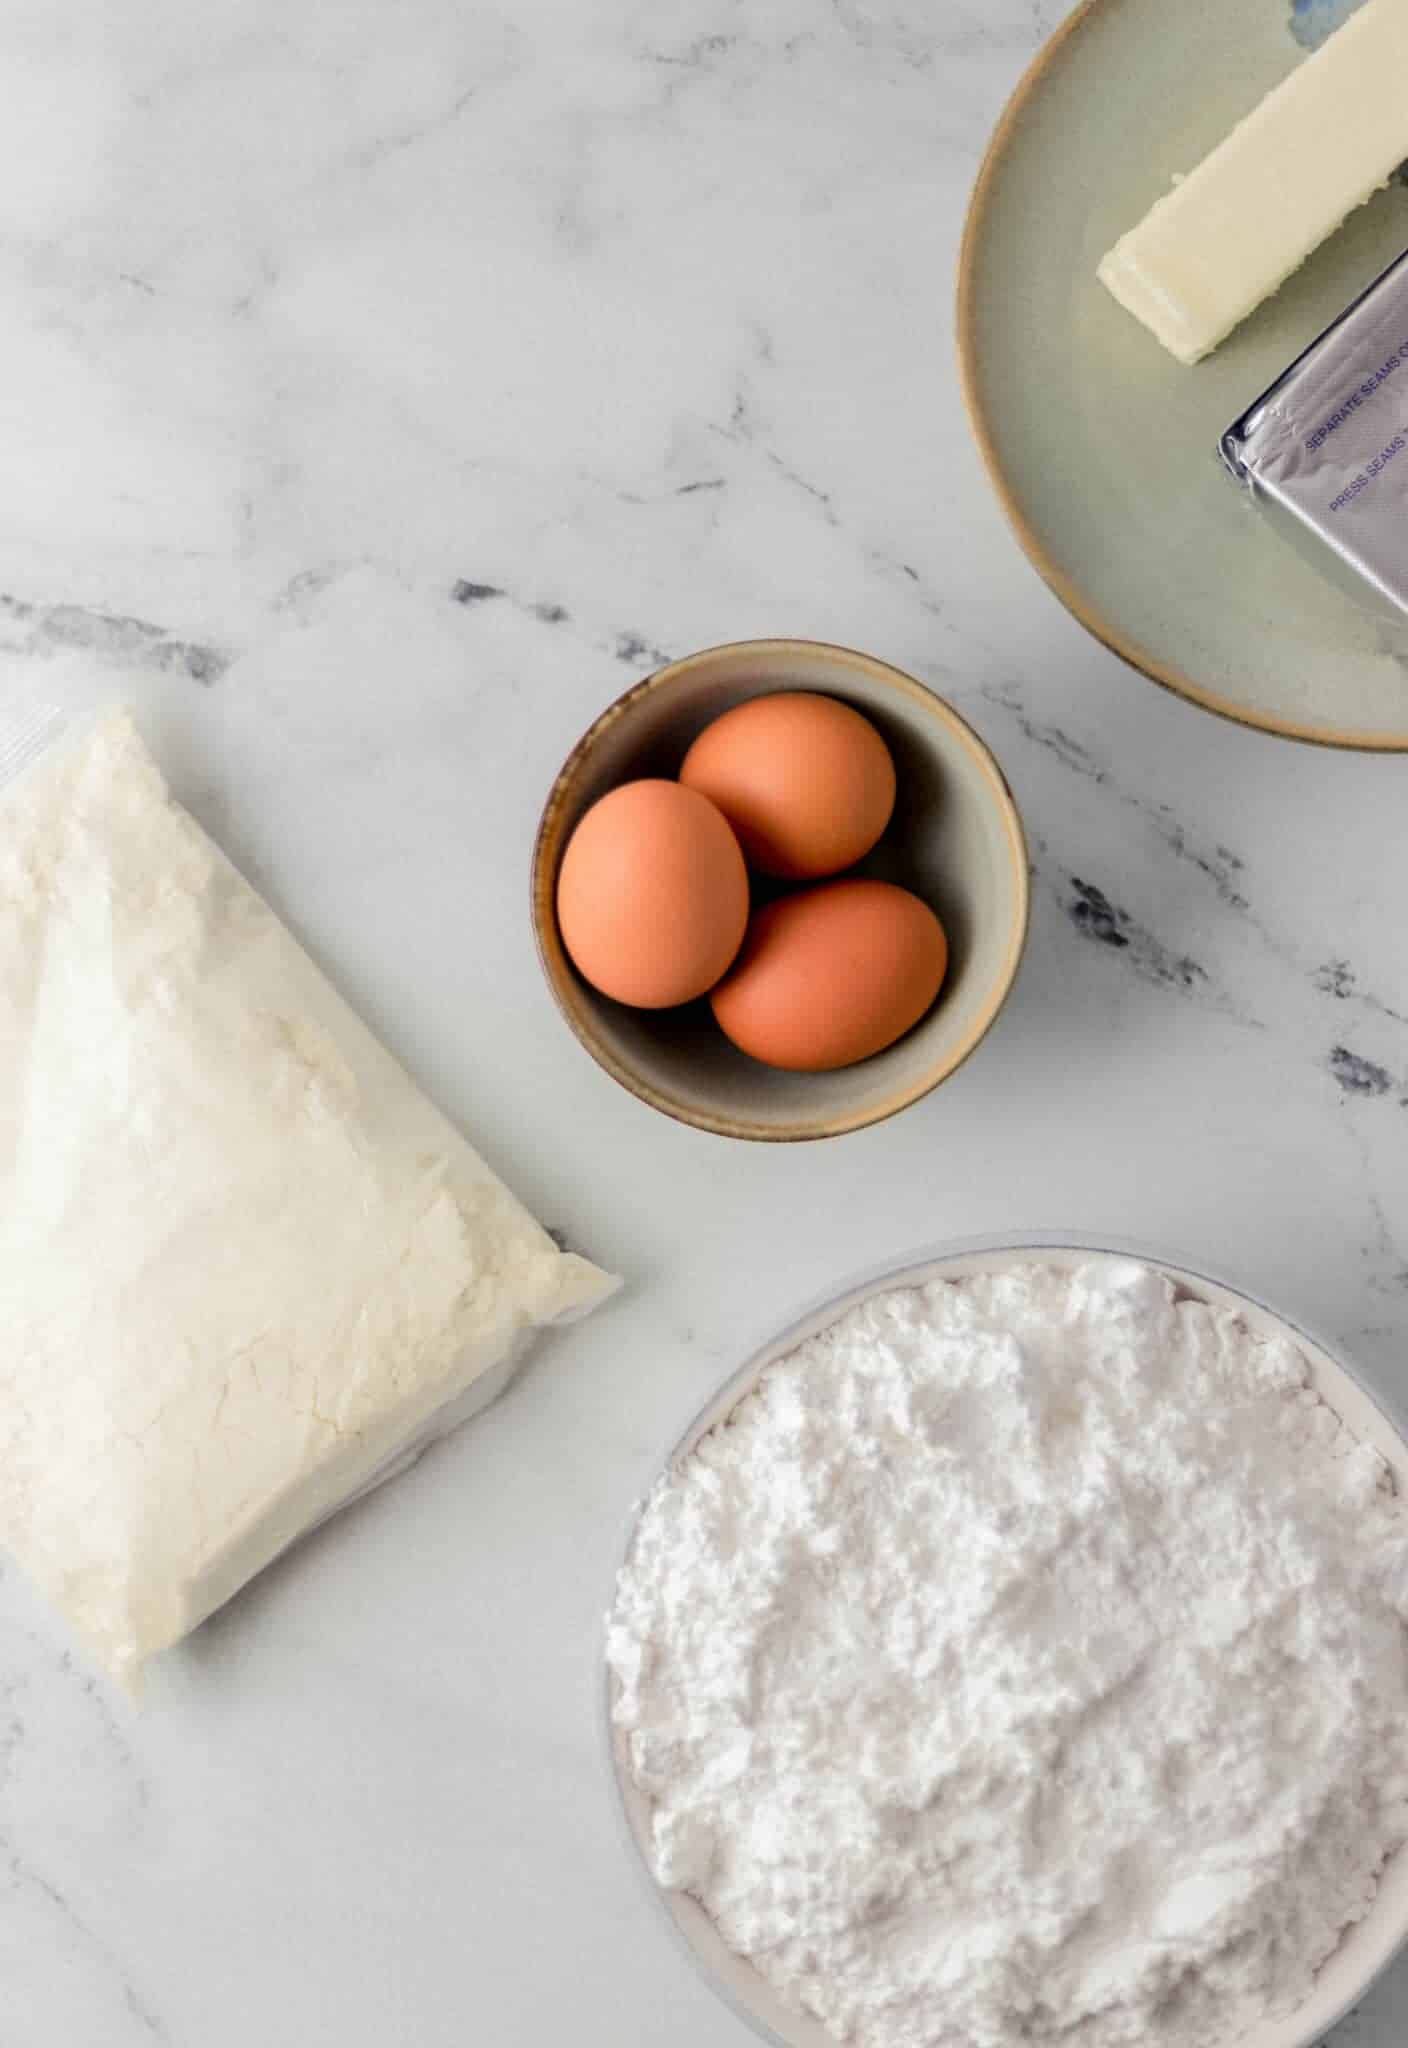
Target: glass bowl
1366,1950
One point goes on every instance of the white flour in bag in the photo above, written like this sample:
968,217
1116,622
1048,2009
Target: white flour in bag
246,1269
1024,1661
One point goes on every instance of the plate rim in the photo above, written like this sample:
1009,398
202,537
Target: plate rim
1063,586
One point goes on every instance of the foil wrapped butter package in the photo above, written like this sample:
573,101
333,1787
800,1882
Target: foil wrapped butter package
248,1271
1325,450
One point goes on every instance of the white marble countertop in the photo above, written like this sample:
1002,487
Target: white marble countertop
384,388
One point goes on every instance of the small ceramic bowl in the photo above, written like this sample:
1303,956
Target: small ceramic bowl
955,839
1366,1949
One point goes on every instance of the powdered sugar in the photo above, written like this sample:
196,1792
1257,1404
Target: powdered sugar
1025,1661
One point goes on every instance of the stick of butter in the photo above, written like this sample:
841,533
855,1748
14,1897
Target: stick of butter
1231,233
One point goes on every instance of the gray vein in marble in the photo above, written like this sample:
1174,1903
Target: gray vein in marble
915,586
911,41
1051,737
12,1725
909,34
743,429
52,628
1395,1279
308,584
632,648
83,1686
98,1697
696,487
1102,922
1095,917
1218,865
1105,923
1337,978
1384,1255
380,147
697,54
246,305
547,612
795,477
575,229
1358,1076
24,1876
625,645
723,57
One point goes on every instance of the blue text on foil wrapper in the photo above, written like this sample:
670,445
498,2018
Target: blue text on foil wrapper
1357,398
1370,470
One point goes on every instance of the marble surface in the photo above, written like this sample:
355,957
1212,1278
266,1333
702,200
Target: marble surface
381,390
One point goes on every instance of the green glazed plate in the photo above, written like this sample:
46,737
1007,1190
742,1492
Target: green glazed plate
1101,446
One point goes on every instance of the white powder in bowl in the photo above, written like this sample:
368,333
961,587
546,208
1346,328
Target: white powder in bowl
1024,1661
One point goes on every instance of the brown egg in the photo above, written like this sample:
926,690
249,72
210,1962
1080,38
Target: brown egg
806,782
831,975
652,895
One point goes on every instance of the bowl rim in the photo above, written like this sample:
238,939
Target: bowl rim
1063,586
912,1268
560,977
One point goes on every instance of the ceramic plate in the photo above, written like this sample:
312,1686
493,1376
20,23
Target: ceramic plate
1102,447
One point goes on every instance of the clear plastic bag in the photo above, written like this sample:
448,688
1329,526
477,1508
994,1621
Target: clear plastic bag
249,1271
